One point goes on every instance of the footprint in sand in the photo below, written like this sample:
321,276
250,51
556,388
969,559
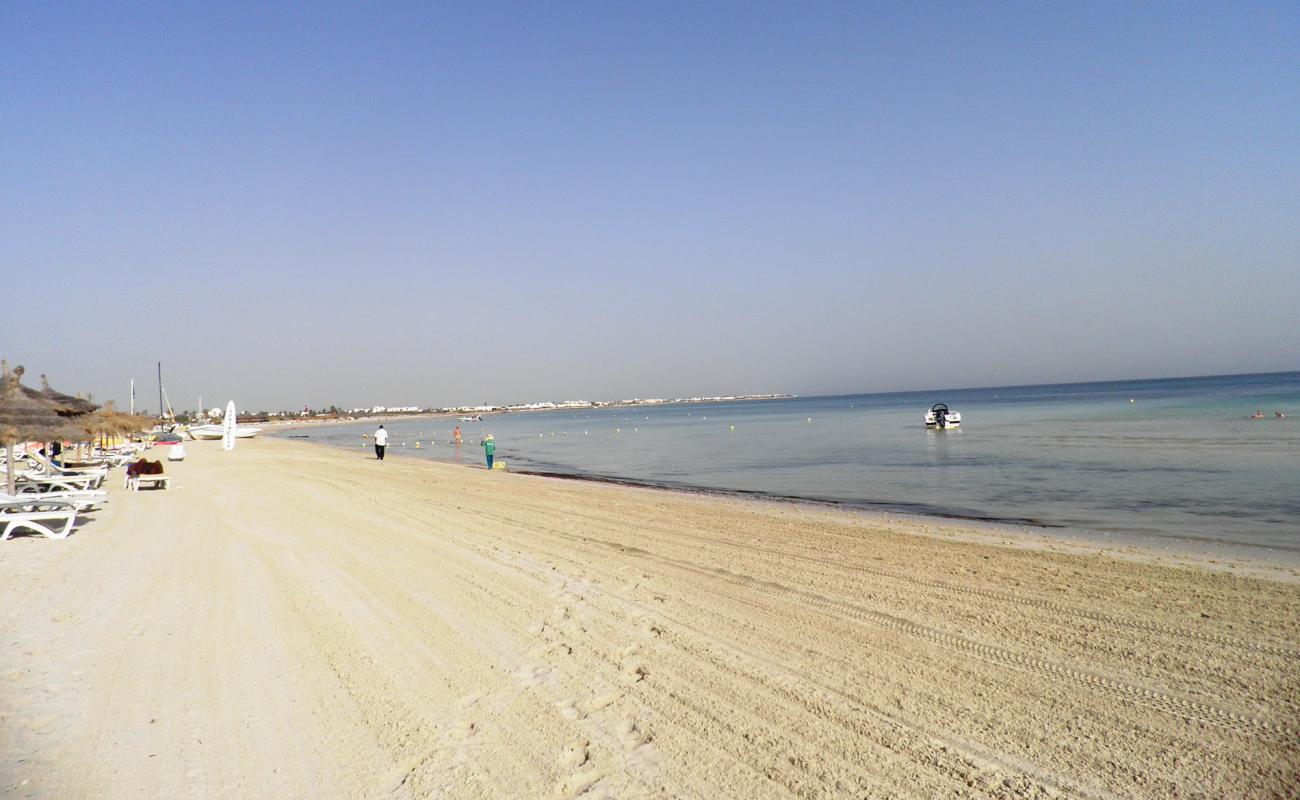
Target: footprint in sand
579,782
575,754
630,734
531,674
569,709
633,666
604,701
550,648
470,700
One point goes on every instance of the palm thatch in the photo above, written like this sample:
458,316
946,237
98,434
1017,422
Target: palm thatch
24,417
65,404
111,422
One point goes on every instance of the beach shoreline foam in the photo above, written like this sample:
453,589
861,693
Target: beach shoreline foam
298,620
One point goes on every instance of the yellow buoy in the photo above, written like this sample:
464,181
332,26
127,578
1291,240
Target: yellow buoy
733,427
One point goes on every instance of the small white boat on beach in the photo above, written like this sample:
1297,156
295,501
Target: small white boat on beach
939,416
209,432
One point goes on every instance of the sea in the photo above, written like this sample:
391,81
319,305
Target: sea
1175,463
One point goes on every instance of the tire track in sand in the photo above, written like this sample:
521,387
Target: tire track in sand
1230,721
1092,615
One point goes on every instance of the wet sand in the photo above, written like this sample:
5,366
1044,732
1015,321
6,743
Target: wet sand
292,620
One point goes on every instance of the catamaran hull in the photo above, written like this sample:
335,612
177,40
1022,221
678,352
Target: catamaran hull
214,432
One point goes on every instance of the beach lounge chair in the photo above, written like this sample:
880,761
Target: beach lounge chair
82,500
46,522
147,472
110,458
48,468
156,481
29,482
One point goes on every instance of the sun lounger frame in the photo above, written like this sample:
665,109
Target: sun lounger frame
32,520
133,481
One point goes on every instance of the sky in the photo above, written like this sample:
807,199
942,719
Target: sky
436,204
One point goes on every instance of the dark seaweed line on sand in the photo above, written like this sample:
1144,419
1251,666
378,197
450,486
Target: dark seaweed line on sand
919,509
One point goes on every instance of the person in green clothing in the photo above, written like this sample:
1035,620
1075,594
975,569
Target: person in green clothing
489,448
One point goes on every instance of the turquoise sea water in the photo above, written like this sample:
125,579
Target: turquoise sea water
1182,462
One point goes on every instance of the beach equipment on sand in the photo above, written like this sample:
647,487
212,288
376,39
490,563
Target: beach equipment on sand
45,522
96,472
69,407
30,499
27,414
145,471
65,403
228,428
108,422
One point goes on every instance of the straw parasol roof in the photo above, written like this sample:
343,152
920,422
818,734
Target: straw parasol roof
24,417
65,403
108,420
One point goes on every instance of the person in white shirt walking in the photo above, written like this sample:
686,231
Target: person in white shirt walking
381,441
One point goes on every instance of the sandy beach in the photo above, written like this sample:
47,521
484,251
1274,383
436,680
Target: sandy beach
295,621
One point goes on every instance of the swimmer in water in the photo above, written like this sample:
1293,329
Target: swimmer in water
1257,415
1279,415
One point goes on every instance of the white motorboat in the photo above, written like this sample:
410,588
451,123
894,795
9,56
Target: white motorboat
216,432
939,416
473,418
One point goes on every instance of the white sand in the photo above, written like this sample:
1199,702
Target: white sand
291,621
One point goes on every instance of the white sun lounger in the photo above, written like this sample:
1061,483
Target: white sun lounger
52,471
133,481
47,522
58,483
82,500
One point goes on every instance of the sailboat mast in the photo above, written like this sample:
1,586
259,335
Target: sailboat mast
160,399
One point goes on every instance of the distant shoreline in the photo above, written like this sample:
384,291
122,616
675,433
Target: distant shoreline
1241,558
529,409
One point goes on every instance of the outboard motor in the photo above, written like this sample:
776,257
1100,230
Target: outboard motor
941,417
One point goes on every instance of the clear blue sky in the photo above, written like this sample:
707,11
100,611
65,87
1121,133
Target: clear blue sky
398,204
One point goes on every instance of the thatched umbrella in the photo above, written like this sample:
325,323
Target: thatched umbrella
65,403
111,422
24,417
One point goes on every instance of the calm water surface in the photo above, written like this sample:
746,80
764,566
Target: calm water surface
1182,462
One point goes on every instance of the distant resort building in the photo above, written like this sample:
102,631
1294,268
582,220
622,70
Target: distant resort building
546,405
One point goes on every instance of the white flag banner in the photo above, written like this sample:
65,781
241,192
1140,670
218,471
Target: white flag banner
228,427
